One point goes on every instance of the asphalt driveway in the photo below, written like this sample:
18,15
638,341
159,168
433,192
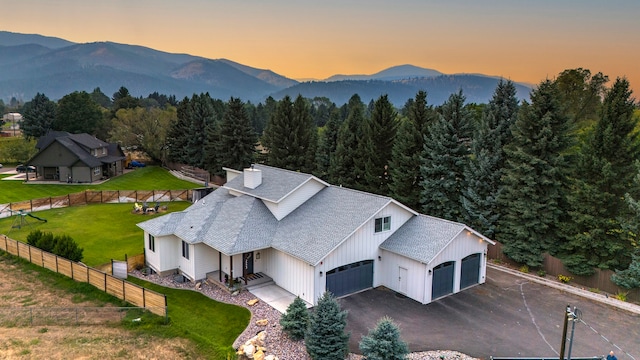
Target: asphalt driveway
508,316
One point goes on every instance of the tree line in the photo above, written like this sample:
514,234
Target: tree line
556,173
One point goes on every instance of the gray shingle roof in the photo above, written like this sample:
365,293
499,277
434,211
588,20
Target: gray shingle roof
234,225
280,183
422,237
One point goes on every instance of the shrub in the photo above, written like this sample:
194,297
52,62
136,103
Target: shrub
326,338
542,273
384,342
564,278
622,295
295,321
34,237
524,269
66,247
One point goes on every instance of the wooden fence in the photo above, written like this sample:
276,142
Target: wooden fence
600,281
122,289
95,197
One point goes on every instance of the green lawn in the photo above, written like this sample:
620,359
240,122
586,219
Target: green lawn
212,325
147,178
104,231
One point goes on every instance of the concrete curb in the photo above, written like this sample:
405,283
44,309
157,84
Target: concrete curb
571,289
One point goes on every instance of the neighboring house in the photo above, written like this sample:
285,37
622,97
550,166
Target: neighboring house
77,158
309,236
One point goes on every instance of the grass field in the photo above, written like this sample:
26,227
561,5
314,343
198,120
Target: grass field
209,327
147,178
104,231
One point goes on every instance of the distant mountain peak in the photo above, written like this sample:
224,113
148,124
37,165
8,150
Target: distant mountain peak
398,72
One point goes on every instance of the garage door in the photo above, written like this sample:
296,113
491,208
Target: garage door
470,274
350,278
442,280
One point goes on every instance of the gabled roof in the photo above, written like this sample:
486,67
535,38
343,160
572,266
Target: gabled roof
423,237
282,182
77,144
234,225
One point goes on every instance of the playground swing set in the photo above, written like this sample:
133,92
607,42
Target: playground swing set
20,219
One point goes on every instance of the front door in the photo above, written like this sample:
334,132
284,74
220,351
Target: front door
247,263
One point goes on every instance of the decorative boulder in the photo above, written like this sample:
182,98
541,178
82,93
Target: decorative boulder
252,302
262,322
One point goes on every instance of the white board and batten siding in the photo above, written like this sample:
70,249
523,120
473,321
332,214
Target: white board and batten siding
364,245
403,275
205,260
298,197
289,273
186,266
163,259
237,265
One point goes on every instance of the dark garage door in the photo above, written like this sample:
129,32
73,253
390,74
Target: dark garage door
442,280
470,271
350,278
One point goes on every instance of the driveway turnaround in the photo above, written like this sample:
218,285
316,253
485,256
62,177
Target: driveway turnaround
508,316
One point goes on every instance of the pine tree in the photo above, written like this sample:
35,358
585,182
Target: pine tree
630,277
230,143
201,115
295,320
327,144
535,184
375,146
326,338
485,169
342,170
178,134
444,157
38,116
404,168
384,342
291,137
604,174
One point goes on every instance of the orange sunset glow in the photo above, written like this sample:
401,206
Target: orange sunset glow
525,41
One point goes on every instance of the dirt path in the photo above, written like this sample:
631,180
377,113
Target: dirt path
20,288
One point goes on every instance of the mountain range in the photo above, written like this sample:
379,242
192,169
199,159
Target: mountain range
32,63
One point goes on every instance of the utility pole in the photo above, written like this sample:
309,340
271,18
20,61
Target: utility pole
564,331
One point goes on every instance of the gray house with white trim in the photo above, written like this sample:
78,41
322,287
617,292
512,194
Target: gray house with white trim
310,237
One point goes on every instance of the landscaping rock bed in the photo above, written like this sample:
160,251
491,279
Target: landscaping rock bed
276,342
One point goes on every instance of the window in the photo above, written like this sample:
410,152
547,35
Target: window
152,243
383,224
97,170
104,151
185,250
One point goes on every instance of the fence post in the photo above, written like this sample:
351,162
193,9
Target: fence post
50,203
30,201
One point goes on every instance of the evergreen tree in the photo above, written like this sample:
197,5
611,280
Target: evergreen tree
295,320
178,134
327,144
375,147
77,113
404,167
384,342
533,199
66,247
486,167
232,142
342,170
326,338
444,157
630,277
291,137
605,173
101,98
38,116
201,116
122,99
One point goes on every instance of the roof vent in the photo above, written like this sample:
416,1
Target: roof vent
252,178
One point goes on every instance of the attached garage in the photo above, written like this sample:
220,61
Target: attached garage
350,278
470,272
442,280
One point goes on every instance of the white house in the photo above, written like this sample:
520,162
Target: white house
310,236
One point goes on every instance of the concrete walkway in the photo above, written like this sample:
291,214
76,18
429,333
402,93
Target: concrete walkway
277,297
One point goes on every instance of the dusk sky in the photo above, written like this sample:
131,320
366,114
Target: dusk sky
524,40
